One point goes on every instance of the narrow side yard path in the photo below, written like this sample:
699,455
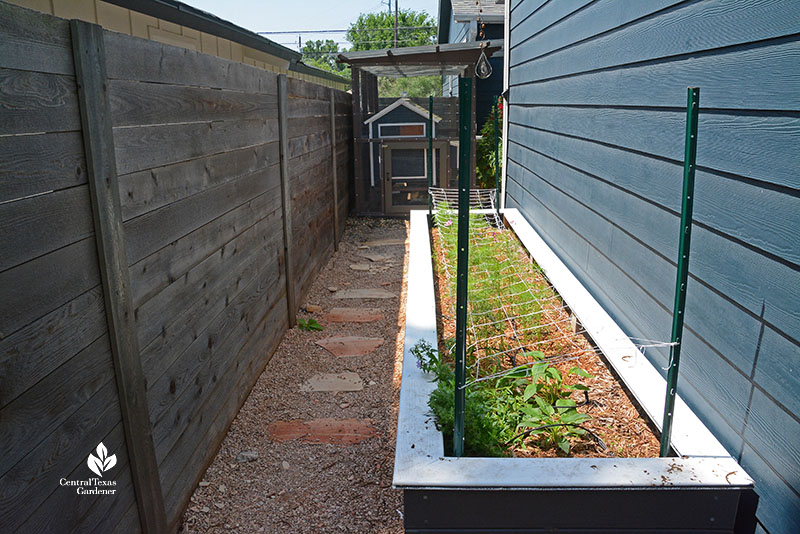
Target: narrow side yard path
312,449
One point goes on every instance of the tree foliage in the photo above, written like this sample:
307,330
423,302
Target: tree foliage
486,162
373,31
322,54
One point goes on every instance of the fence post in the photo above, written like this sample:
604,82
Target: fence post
90,72
335,180
286,197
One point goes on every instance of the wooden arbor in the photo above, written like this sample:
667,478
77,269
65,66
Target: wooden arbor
445,59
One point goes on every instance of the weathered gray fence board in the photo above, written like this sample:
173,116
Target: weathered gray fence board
148,190
36,226
150,232
36,102
711,25
769,67
132,58
33,41
33,352
39,286
159,270
34,164
146,147
136,103
195,145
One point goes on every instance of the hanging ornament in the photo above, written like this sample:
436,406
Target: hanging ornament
483,69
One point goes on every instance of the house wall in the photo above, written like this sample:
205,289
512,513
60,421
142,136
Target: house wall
197,145
595,151
130,22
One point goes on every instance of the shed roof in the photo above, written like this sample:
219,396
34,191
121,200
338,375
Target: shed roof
426,60
405,102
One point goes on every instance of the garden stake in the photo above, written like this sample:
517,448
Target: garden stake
497,155
430,154
462,264
690,157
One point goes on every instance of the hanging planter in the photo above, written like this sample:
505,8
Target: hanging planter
701,490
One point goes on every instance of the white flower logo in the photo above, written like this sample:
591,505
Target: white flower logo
102,462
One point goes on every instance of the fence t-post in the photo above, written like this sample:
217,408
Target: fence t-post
462,267
430,153
689,159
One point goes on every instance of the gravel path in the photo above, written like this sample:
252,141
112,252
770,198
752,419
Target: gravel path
289,463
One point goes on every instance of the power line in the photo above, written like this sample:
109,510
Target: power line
356,29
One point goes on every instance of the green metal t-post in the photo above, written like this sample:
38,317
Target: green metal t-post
689,159
430,154
462,263
496,154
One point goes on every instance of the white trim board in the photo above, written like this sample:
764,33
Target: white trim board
405,102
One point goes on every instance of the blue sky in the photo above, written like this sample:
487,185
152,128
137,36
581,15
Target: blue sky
262,16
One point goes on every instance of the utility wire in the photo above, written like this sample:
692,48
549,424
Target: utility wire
345,31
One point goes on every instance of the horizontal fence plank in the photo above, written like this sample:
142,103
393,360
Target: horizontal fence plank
156,229
36,102
761,77
711,26
43,408
38,225
33,482
306,107
136,103
131,58
155,272
151,189
34,351
146,147
34,41
39,286
35,164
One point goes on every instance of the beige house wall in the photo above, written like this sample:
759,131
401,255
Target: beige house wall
122,20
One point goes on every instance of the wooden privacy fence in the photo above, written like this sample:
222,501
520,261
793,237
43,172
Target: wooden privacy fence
162,214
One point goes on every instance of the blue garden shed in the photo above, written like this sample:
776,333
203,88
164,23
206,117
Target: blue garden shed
596,100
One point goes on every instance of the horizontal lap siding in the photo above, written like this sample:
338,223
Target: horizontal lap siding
596,126
58,396
196,142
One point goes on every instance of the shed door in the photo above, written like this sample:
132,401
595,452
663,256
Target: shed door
405,172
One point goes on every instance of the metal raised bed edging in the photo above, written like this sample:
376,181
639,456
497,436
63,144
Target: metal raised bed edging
420,463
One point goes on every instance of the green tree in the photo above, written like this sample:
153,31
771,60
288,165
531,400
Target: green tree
322,54
485,161
373,31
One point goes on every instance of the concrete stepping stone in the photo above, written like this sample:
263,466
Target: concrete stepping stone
384,242
354,315
345,381
350,345
323,431
360,266
375,257
364,294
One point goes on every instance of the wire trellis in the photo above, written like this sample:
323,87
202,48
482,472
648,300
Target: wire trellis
515,319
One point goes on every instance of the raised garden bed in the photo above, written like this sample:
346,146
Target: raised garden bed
701,490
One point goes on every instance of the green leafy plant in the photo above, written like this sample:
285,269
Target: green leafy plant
554,423
486,163
548,383
308,325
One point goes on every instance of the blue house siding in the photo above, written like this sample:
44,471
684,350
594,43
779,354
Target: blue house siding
595,146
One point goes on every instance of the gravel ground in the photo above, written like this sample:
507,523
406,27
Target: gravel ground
294,486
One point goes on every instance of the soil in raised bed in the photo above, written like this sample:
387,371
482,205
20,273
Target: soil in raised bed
615,416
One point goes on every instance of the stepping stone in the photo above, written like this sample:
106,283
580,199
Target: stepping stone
384,242
313,308
375,257
350,345
360,266
323,431
364,294
346,381
354,315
